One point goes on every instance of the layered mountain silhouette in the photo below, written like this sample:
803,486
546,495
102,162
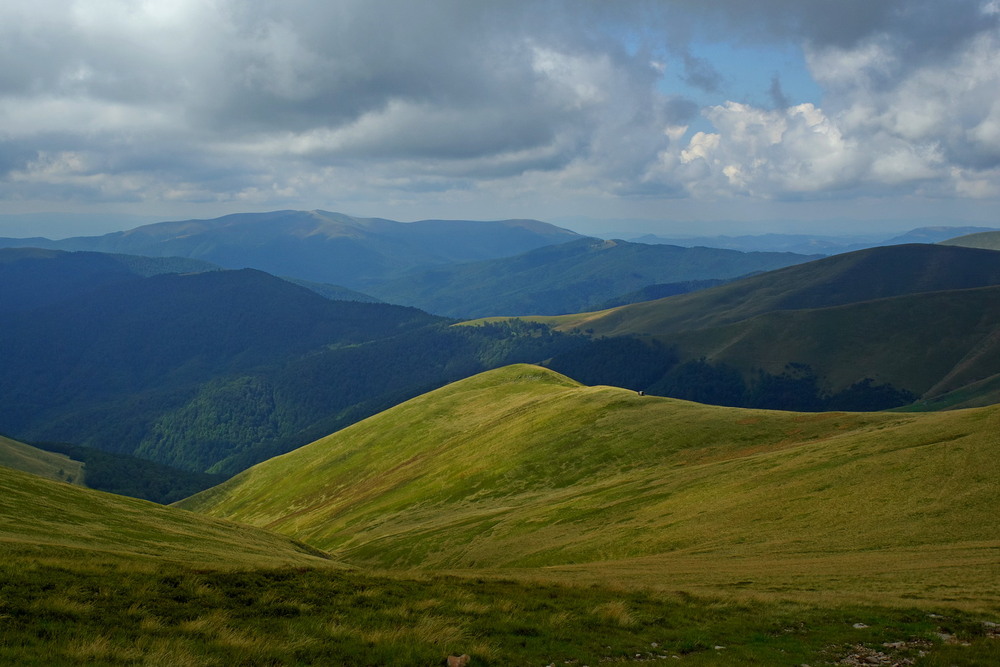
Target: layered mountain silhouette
894,324
570,277
320,246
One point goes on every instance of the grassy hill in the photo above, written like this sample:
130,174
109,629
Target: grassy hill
569,277
873,329
864,275
524,468
928,344
983,240
90,578
50,465
41,516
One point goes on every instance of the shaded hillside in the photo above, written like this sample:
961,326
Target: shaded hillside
217,371
927,344
522,467
128,475
102,368
984,240
864,275
50,465
33,277
320,246
566,278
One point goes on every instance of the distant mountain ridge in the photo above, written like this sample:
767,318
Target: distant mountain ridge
34,277
868,330
568,277
320,246
813,243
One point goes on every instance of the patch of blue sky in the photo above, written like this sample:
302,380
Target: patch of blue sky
762,76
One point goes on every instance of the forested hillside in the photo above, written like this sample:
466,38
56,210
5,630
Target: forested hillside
218,370
572,277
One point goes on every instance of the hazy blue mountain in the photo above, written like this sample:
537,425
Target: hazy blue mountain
33,277
811,243
320,246
571,277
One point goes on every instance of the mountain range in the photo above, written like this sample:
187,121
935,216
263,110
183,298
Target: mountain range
530,490
320,246
815,243
842,332
569,277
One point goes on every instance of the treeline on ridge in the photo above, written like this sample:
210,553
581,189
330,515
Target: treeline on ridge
655,368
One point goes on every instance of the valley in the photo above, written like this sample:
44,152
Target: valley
796,466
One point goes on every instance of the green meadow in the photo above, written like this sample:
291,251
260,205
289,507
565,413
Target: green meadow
521,518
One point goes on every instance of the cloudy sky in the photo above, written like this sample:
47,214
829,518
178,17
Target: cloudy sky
699,116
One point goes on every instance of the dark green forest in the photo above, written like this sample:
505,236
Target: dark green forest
130,476
655,368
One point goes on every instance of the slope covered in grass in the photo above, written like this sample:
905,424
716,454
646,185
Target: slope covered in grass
50,465
986,240
928,344
865,275
44,517
522,467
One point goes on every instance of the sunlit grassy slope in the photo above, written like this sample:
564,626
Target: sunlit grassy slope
47,518
522,467
50,465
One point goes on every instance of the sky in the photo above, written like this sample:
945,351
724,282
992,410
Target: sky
671,116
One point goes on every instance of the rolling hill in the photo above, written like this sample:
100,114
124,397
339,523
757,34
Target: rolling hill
868,330
521,467
42,516
984,240
320,246
50,465
863,275
569,277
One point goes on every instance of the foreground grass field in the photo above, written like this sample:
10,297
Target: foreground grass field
523,519
522,468
70,609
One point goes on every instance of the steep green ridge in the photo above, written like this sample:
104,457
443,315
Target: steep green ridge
864,275
40,516
984,240
869,330
569,277
928,344
321,246
50,465
522,467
